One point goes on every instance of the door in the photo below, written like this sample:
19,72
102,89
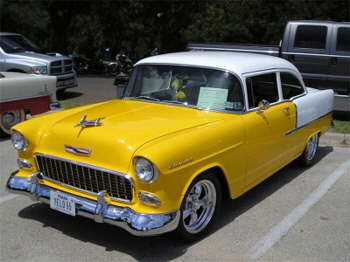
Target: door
266,145
308,49
339,77
292,88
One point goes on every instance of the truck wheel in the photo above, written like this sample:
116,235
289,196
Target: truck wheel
309,155
9,119
199,207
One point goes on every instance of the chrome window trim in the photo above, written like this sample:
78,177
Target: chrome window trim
277,71
258,73
233,49
255,109
87,166
313,54
238,77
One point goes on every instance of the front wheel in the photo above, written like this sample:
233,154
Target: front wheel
309,154
199,207
9,119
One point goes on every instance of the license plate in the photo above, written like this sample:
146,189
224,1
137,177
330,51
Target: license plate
62,202
65,83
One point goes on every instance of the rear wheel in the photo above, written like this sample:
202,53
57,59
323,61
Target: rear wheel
199,207
9,119
309,154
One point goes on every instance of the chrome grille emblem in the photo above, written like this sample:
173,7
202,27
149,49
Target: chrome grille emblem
77,151
89,123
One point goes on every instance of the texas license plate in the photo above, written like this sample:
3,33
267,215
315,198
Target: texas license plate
62,202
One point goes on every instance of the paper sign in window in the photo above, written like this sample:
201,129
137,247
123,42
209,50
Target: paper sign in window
212,97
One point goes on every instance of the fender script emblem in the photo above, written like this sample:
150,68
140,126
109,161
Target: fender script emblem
89,123
183,162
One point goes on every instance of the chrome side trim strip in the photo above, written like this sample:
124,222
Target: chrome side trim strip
309,123
87,166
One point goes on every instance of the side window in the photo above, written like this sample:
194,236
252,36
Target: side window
262,87
291,86
343,39
310,36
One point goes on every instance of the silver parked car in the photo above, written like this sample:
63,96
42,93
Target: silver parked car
19,54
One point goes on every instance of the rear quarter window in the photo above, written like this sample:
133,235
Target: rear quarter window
291,85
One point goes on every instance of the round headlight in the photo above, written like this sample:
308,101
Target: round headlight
18,141
145,170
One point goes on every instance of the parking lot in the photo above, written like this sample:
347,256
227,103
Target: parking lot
297,214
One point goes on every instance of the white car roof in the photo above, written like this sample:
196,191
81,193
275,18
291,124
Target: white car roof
237,62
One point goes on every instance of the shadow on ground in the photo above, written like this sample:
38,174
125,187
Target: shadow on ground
65,95
164,247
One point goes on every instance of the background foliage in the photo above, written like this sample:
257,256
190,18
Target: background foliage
138,26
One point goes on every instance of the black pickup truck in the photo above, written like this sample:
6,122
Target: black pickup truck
319,49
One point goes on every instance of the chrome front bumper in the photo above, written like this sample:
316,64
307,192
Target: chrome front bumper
135,223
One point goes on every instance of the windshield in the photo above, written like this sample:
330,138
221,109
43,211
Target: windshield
198,87
17,43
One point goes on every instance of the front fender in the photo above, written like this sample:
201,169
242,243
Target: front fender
181,157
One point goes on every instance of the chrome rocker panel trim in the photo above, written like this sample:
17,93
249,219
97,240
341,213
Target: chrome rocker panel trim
135,223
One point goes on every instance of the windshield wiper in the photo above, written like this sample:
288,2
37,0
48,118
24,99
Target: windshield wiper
147,98
168,101
182,103
174,102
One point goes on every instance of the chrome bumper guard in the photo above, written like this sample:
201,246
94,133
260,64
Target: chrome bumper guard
135,223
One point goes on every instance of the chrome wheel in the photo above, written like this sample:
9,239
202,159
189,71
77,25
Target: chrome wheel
311,147
199,206
9,119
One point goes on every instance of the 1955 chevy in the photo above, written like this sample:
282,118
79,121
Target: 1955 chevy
190,128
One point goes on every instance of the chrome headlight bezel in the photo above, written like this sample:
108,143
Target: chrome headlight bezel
19,142
39,70
145,170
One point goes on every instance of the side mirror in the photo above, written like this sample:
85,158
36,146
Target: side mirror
263,105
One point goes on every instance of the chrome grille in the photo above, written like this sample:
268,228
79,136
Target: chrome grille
61,67
85,177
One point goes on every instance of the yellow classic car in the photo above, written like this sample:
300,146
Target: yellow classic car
189,129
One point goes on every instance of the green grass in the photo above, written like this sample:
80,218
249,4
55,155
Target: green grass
342,127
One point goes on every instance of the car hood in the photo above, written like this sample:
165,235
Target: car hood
125,126
37,57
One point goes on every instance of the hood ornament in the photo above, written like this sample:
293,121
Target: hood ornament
89,123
